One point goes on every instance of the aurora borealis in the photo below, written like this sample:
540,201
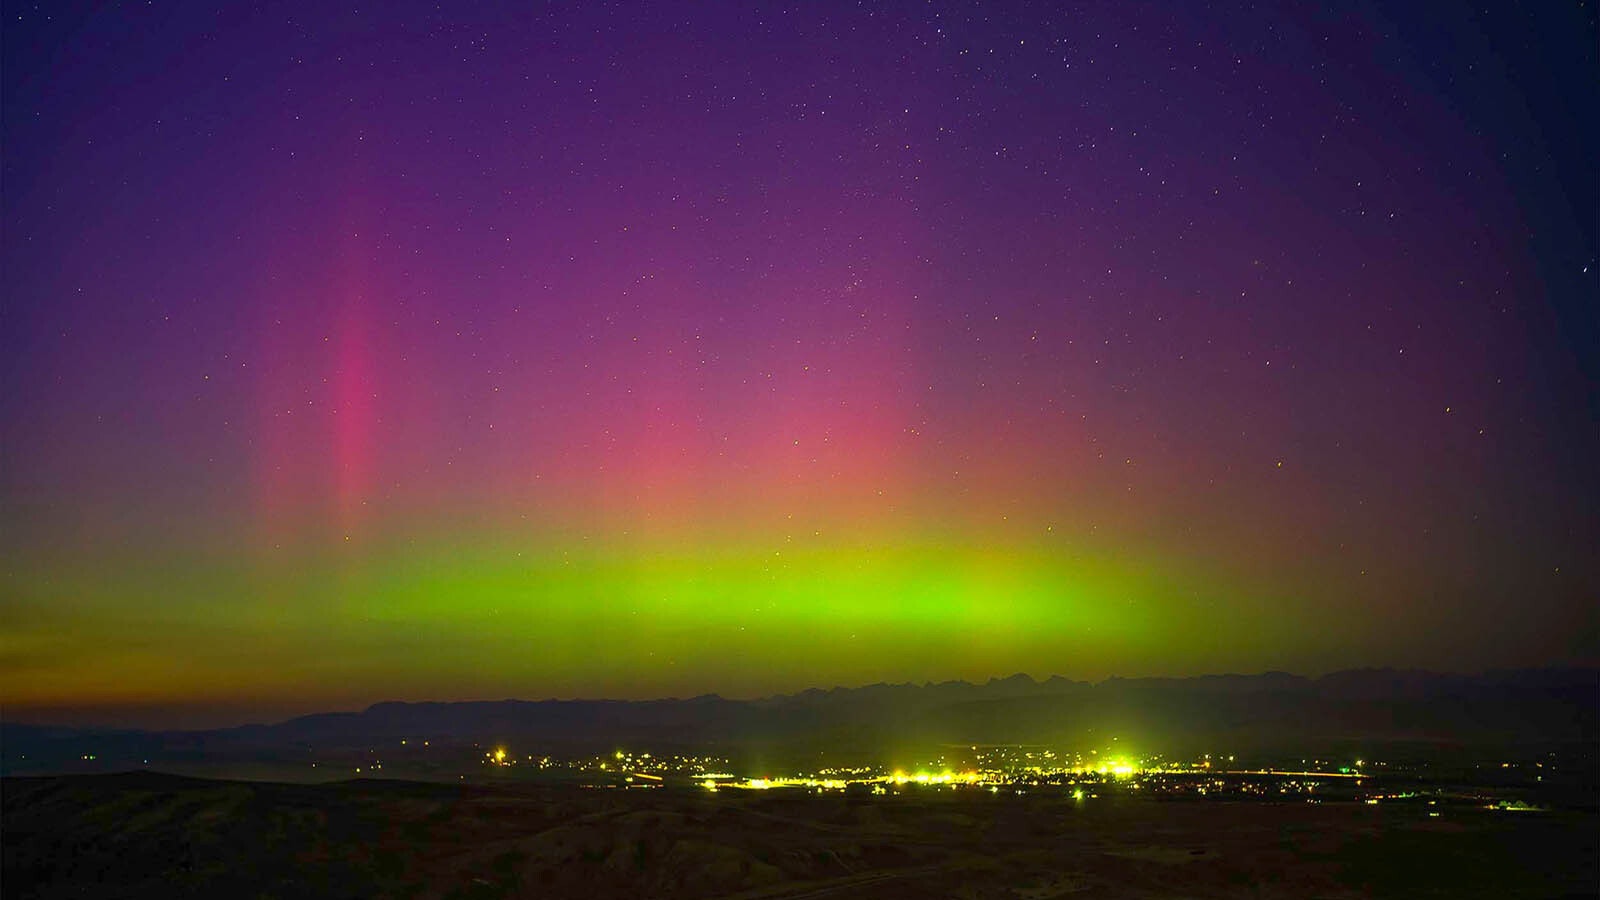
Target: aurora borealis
390,352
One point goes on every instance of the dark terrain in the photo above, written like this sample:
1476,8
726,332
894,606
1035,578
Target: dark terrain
154,835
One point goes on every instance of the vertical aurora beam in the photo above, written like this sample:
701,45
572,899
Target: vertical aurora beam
317,386
354,413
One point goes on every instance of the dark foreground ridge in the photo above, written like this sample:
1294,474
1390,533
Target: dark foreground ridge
148,835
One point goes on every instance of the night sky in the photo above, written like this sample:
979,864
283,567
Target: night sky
606,350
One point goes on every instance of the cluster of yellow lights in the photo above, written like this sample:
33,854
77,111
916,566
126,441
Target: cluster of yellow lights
762,784
941,778
1117,768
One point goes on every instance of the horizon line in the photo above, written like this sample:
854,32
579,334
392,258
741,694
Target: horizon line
10,721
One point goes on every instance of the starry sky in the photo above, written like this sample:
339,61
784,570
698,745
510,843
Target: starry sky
390,351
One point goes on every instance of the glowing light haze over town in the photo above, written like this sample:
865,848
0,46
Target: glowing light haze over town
356,353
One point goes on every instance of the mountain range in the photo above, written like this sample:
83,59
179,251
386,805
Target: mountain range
1274,712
